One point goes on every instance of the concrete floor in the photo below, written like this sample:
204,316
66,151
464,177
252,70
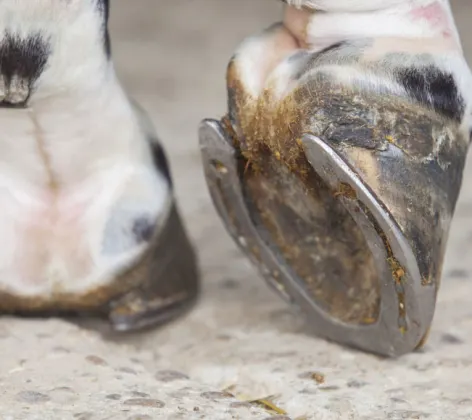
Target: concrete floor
172,59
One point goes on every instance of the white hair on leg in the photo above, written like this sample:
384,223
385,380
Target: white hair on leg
81,194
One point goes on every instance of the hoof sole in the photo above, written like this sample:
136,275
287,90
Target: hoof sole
326,244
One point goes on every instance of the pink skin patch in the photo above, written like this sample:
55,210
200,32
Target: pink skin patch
436,15
297,21
56,230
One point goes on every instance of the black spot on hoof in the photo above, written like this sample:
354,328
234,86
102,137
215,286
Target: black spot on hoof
143,230
435,89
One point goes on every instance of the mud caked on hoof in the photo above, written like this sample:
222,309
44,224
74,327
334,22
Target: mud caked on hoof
87,205
337,171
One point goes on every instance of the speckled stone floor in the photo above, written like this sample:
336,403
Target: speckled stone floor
172,56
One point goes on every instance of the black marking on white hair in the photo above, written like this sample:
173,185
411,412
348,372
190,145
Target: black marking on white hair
143,229
434,88
161,161
328,55
104,8
22,59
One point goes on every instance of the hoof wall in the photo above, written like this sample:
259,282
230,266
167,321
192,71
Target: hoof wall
324,241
